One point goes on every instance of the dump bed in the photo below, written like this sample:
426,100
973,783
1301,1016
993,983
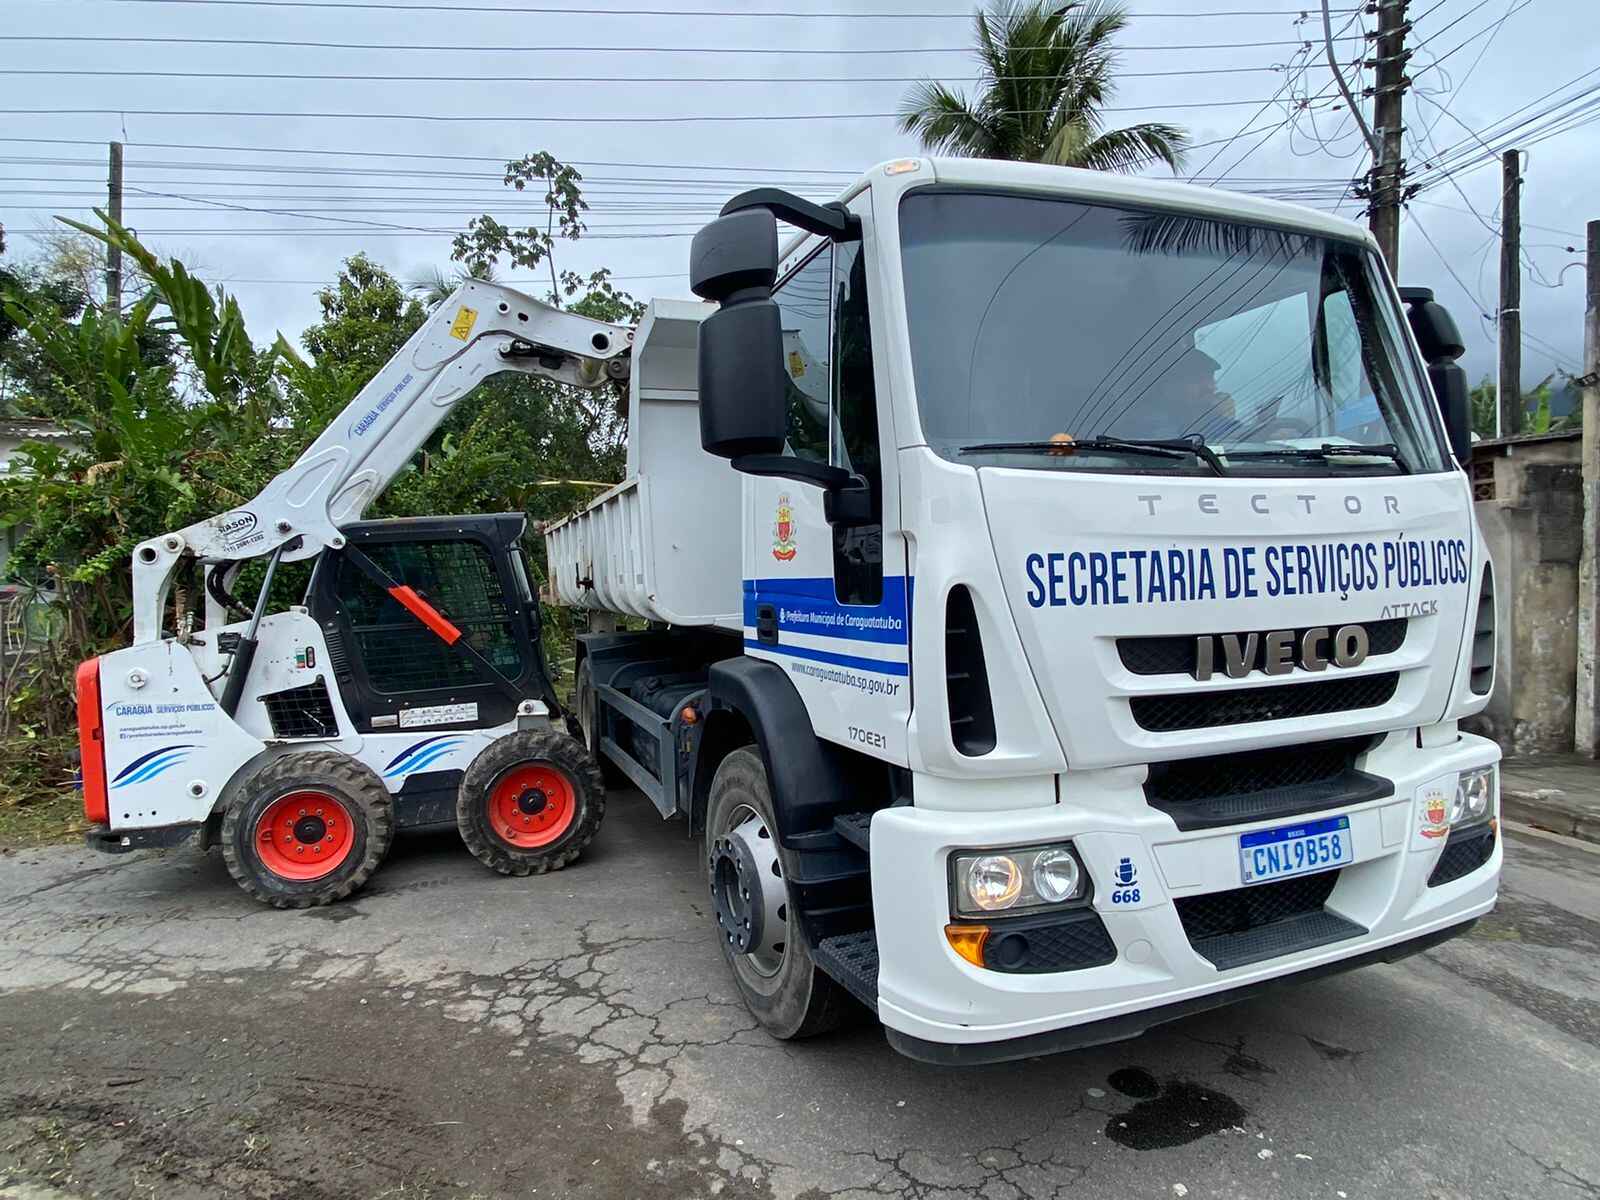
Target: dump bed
663,545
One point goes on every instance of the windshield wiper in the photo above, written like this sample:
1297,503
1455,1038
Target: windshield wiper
1157,447
1331,450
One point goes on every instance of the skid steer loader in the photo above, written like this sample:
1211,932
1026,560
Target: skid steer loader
408,691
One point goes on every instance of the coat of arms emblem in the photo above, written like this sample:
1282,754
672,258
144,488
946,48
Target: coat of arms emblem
783,547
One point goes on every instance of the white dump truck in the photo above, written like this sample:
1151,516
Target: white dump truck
1052,599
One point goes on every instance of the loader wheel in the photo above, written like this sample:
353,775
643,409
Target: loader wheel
587,706
757,928
530,803
307,829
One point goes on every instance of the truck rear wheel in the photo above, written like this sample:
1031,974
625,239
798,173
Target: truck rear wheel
306,829
530,803
757,927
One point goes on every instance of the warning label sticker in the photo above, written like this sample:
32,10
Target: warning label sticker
438,714
461,327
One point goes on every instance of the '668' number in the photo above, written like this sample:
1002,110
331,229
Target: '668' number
1125,896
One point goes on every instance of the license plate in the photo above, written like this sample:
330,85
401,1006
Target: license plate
1295,849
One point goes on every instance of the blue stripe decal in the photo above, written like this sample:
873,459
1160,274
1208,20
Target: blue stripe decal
413,748
876,665
418,761
153,768
144,758
810,606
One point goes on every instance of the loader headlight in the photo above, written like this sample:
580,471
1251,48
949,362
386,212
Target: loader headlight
1474,799
1021,880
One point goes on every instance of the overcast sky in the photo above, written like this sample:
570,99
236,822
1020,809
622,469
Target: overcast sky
335,182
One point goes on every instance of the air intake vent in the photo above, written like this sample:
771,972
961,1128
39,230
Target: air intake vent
302,712
966,679
1481,680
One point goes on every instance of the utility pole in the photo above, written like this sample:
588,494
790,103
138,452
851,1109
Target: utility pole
114,207
1587,732
1510,322
1389,169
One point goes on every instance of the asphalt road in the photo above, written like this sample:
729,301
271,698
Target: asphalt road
453,1034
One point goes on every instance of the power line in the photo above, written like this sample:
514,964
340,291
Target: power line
301,231
481,158
1567,233
482,118
352,76
549,9
786,51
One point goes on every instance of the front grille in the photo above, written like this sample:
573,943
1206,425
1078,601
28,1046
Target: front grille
1251,925
1462,855
1229,789
1249,908
1174,654
302,712
1209,708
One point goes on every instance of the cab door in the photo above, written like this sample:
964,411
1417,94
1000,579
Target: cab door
829,603
394,671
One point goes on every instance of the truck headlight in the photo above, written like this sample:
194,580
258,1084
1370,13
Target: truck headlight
1021,880
1474,800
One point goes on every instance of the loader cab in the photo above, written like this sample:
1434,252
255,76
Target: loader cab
394,671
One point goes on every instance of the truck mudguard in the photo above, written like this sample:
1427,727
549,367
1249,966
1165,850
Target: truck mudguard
810,785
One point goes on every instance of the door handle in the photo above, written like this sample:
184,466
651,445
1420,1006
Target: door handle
767,624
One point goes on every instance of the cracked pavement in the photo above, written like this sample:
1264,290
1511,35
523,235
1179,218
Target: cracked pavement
449,1033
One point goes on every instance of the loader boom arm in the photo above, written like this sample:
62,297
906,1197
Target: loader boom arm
482,329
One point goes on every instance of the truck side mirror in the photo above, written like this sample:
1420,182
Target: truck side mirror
1441,344
734,261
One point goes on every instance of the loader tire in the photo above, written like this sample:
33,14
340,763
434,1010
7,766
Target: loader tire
307,828
530,802
586,706
778,979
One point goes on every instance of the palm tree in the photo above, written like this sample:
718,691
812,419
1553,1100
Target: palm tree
1046,70
434,285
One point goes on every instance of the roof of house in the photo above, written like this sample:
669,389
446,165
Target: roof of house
33,429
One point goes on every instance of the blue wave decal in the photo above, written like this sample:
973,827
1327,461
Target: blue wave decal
413,748
415,758
148,766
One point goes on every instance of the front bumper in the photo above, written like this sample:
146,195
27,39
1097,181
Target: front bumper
935,1005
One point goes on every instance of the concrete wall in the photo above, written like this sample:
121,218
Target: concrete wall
1530,508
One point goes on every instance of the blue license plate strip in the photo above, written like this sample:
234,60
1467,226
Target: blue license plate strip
1290,850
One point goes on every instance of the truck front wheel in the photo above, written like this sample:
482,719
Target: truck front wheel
757,927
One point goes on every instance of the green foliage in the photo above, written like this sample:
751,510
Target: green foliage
486,239
1535,410
1485,413
1046,73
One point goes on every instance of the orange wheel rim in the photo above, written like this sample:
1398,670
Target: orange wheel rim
532,805
304,835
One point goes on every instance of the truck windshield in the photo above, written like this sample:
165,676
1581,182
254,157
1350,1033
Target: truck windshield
1039,322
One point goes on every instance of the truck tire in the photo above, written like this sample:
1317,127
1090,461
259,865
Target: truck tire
587,706
775,973
307,828
530,802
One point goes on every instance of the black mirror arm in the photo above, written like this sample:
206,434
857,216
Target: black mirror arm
787,466
833,221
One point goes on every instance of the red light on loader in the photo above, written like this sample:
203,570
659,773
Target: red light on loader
92,744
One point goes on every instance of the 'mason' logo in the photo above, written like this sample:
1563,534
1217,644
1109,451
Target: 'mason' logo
783,547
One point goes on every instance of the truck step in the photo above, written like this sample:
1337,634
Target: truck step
855,828
1226,951
852,960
